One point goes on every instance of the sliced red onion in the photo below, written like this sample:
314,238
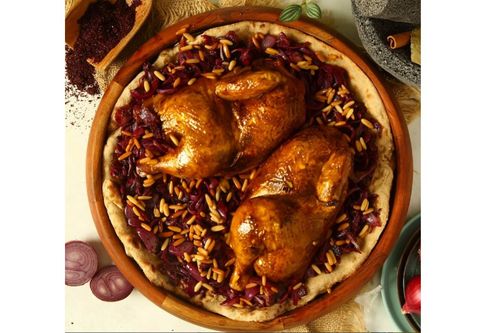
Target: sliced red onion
195,273
179,250
373,220
283,41
251,292
268,41
80,263
149,239
230,301
123,115
110,285
233,37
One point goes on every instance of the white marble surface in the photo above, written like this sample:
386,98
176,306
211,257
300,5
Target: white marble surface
84,312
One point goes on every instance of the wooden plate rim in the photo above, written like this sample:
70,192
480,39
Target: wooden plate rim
400,196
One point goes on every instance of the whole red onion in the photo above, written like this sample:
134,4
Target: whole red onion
412,296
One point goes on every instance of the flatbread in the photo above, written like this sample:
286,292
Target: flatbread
364,91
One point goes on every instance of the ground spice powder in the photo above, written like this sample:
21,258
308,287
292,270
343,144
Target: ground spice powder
80,73
101,27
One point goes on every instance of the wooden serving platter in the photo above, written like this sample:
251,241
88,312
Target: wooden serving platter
345,290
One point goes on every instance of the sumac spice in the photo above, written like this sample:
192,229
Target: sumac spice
101,27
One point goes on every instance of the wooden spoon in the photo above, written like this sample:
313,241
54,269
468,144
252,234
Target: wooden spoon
80,7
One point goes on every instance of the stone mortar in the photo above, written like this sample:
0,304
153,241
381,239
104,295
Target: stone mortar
407,11
373,34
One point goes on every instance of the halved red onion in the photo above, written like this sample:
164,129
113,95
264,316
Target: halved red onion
80,263
110,285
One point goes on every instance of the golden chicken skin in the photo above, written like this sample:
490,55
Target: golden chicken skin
230,125
292,202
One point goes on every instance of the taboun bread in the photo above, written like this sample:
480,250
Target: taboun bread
362,88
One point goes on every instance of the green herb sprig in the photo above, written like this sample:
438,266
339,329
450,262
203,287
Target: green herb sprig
293,12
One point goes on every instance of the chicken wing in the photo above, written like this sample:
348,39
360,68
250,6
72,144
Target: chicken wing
248,84
292,202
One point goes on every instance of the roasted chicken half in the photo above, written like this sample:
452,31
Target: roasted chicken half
291,204
229,125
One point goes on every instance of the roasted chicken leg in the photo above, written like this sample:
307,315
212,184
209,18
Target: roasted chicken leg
291,204
230,125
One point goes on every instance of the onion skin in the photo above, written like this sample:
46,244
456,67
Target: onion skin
412,296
